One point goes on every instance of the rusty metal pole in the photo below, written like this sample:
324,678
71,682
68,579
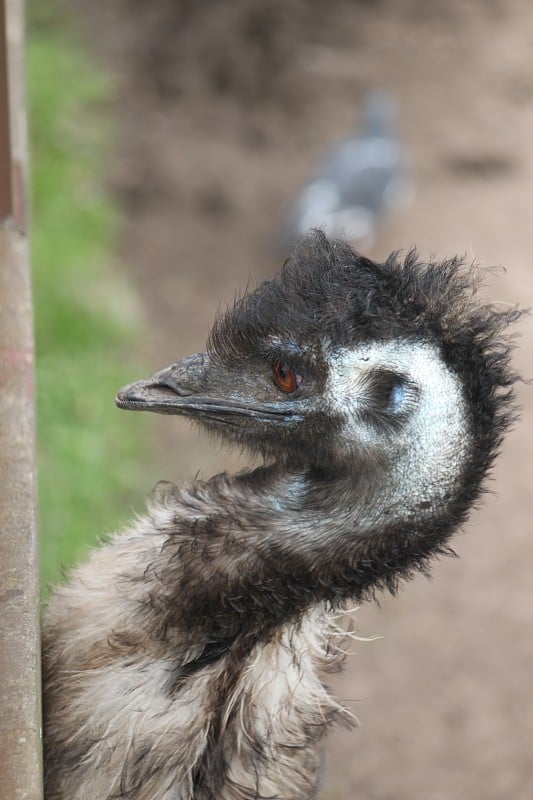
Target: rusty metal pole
20,740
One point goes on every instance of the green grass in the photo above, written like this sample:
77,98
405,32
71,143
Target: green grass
86,318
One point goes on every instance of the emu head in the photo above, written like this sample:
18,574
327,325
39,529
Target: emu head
398,372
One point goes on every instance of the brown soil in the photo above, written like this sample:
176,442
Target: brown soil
225,106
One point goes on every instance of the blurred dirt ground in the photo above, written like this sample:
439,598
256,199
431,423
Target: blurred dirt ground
224,108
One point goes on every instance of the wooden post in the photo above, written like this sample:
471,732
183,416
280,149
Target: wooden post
20,720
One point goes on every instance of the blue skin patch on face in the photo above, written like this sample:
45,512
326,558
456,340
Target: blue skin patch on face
398,396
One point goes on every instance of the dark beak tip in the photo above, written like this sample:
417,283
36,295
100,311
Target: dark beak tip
163,391
121,399
128,395
148,395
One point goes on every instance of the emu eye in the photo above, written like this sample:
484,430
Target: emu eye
285,377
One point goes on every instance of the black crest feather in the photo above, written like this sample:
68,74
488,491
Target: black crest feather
328,293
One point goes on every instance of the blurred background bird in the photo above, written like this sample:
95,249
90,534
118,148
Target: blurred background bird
362,179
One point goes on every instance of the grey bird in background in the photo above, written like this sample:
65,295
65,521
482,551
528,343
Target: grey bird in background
364,178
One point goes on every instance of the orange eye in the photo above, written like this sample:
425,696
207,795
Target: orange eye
286,378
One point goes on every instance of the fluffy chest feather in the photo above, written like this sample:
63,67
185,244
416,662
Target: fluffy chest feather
232,730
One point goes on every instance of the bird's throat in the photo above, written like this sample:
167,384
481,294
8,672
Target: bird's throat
269,544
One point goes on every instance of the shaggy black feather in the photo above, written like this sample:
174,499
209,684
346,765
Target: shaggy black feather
228,579
328,296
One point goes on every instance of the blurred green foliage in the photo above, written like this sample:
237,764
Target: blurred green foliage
86,319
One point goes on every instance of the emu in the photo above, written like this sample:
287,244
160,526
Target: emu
182,661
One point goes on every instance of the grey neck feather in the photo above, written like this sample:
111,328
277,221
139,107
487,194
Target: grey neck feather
267,545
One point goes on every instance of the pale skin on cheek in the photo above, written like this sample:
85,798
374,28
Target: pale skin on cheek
431,442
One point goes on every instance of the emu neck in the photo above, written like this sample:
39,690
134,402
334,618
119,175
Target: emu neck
267,545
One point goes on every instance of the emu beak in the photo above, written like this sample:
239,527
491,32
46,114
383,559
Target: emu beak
173,390
196,387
